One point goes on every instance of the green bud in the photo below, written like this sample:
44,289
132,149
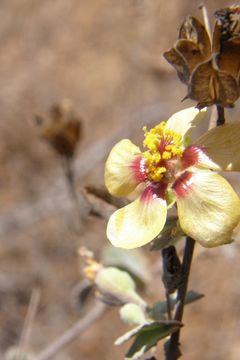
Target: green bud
132,314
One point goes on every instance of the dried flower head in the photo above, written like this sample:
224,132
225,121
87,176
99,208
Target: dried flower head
62,128
209,67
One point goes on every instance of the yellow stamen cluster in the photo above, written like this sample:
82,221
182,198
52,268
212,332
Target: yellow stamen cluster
162,144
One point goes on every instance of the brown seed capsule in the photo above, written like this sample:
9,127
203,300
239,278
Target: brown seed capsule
172,270
210,73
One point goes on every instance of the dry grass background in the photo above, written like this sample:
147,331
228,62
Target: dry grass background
105,55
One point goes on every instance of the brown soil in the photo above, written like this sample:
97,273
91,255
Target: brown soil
105,56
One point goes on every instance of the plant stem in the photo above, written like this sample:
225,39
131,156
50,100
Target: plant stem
220,115
172,351
169,310
69,174
29,322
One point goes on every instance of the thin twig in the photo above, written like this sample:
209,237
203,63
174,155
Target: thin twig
29,320
67,165
71,334
80,203
172,349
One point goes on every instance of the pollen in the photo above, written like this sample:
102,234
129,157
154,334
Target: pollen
163,145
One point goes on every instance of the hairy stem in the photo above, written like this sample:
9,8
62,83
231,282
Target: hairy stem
172,351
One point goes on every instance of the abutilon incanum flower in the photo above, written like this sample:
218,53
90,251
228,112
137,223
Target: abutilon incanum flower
174,169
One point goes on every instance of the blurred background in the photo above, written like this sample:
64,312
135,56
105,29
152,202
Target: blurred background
106,56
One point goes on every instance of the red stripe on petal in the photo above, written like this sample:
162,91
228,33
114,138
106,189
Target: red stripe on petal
191,156
183,184
155,190
147,195
139,169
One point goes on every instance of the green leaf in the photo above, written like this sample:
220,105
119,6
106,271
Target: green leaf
193,296
159,309
132,261
147,336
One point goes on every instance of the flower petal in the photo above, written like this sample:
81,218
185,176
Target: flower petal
120,176
209,210
195,155
137,223
222,145
182,121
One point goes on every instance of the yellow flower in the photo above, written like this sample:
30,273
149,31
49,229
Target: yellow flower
174,169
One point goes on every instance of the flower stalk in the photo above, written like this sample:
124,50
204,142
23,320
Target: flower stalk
172,349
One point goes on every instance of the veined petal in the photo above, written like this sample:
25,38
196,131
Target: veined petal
195,155
123,168
221,144
137,223
182,121
208,208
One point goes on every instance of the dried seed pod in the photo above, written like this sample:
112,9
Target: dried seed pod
172,270
211,74
210,86
229,21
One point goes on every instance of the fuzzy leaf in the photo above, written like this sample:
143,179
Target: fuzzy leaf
132,261
158,310
147,336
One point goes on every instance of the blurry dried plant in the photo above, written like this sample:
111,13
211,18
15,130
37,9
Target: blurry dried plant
62,129
209,67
